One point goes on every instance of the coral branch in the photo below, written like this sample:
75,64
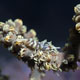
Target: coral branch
26,46
72,48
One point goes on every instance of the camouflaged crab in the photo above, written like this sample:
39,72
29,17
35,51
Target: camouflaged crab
41,56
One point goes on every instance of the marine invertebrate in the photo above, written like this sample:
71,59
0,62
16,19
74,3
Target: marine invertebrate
27,47
41,56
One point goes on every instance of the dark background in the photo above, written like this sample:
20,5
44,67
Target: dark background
50,18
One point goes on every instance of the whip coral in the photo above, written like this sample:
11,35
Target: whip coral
41,56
